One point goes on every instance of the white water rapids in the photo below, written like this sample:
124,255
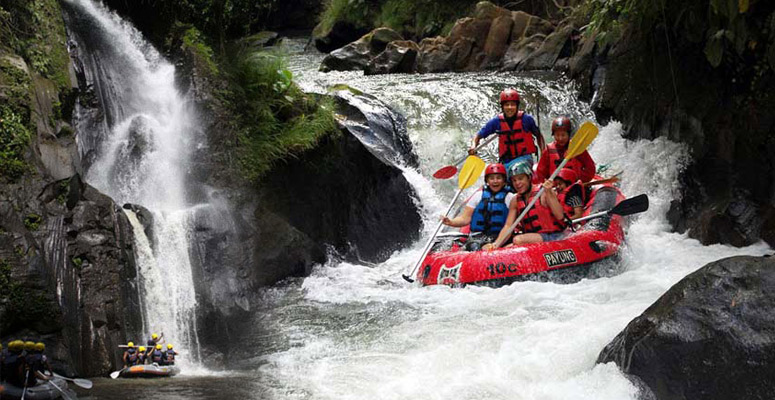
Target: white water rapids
359,332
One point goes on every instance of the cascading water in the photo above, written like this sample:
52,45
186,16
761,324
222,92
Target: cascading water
139,154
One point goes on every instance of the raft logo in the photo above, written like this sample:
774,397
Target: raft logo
449,276
560,258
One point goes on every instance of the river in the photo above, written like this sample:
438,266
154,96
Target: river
353,331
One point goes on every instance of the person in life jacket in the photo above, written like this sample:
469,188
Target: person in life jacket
486,210
544,221
582,164
131,356
154,340
141,355
156,355
13,366
169,355
571,193
519,135
37,364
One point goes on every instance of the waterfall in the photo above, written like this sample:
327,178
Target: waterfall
138,150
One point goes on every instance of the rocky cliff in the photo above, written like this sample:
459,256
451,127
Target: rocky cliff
66,263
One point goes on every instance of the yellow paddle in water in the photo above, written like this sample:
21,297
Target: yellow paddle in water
584,136
470,172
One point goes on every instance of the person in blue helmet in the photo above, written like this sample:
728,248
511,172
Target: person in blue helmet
518,134
486,210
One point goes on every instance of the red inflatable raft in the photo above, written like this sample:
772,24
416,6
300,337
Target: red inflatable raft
599,239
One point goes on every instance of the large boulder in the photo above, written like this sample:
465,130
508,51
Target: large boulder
400,56
358,54
709,337
327,39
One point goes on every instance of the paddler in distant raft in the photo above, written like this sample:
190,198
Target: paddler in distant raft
544,222
583,164
486,210
519,137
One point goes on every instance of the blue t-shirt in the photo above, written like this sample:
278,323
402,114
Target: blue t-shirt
494,125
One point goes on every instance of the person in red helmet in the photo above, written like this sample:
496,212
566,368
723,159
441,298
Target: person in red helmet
582,164
570,192
486,210
519,136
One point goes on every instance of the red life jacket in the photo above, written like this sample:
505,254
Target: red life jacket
555,159
514,142
568,210
540,218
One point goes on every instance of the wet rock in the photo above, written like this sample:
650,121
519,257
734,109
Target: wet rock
709,337
400,56
357,55
545,56
434,53
497,41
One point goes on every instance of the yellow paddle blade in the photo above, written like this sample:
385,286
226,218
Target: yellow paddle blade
470,172
586,133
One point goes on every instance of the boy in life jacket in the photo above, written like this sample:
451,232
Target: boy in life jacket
486,210
570,192
544,221
131,356
582,164
519,136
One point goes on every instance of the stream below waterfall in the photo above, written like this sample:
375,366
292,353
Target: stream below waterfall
353,331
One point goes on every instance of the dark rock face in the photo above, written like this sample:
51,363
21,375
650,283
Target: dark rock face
69,248
710,336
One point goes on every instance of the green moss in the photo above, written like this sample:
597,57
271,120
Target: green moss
32,221
14,139
78,262
359,13
342,86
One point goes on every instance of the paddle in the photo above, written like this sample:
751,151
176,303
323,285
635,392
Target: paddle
581,140
84,383
26,379
449,171
470,172
65,395
115,374
612,179
625,207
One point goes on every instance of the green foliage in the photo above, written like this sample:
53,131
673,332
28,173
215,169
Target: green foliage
737,33
193,41
23,307
78,262
34,29
416,19
423,18
14,138
278,121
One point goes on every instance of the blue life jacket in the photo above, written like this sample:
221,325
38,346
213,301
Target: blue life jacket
156,356
491,212
169,357
151,343
132,357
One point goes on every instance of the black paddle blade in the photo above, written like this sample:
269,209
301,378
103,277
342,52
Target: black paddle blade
634,205
407,278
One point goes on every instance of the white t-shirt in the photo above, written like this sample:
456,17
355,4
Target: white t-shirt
477,197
